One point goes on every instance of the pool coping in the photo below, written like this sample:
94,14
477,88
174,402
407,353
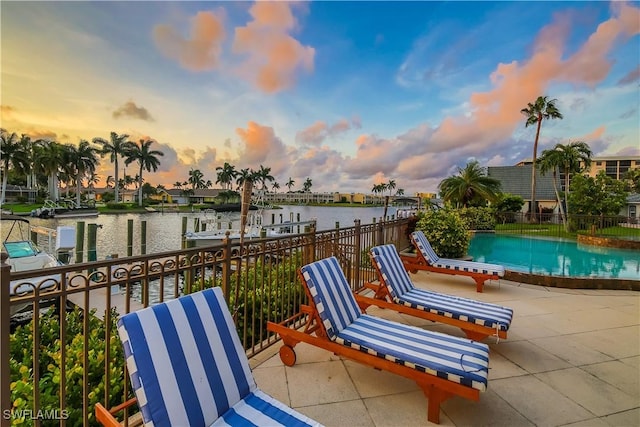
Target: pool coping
573,282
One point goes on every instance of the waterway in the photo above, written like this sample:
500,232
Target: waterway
164,229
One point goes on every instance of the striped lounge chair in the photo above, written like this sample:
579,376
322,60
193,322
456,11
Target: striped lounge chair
395,291
188,368
427,259
442,365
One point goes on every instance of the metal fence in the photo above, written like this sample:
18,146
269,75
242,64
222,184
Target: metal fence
551,224
64,356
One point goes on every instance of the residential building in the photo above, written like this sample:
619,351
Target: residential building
516,180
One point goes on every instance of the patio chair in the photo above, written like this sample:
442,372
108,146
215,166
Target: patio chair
395,291
443,366
188,368
427,259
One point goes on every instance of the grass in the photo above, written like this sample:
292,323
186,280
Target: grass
557,230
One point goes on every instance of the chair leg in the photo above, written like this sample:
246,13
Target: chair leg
435,397
479,283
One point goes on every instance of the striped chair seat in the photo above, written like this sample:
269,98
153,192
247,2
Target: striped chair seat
433,259
188,368
459,360
402,291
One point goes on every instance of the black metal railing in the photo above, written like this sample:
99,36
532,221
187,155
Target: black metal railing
59,353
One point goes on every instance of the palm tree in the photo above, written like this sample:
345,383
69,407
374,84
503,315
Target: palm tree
84,161
543,108
242,176
290,183
177,185
306,187
49,157
117,146
470,185
572,158
110,182
147,160
391,185
263,175
12,154
275,186
30,148
225,176
196,179
400,192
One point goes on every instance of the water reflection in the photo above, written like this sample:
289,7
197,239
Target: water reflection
555,257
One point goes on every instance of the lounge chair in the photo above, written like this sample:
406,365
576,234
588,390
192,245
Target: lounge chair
443,366
427,259
188,368
395,291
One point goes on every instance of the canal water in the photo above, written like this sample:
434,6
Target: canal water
164,229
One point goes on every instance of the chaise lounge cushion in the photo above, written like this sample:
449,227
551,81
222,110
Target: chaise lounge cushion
403,291
187,367
434,260
456,359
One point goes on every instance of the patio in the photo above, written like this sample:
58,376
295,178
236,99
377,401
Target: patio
572,358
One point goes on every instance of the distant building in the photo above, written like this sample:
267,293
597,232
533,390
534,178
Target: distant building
516,180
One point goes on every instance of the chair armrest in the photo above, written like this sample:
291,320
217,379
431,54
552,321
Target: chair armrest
106,417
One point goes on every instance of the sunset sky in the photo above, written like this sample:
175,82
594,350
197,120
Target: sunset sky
349,94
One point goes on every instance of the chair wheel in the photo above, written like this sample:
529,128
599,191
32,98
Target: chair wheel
287,355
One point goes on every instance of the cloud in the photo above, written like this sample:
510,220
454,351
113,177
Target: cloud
632,76
318,132
131,110
201,50
261,146
273,56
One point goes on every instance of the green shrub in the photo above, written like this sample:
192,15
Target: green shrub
446,231
49,367
479,218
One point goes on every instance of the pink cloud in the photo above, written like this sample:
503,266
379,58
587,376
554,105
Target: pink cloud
315,134
631,76
201,51
262,147
273,56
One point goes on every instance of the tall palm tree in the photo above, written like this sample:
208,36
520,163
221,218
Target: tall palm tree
84,160
242,176
177,185
12,154
116,146
572,158
275,186
110,182
263,175
147,160
49,157
30,148
225,176
391,185
196,179
542,109
470,185
306,187
551,160
290,183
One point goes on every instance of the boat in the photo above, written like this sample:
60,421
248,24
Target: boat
216,225
231,207
64,209
24,255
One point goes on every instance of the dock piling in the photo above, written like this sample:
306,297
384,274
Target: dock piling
79,241
129,237
143,238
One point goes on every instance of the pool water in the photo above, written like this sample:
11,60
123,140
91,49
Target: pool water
555,257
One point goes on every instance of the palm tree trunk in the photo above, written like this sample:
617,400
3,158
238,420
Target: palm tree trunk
78,188
117,182
4,185
555,189
566,193
533,171
140,187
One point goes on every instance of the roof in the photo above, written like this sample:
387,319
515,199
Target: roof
517,180
633,198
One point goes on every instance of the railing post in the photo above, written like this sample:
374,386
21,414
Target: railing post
79,241
358,254
226,268
5,319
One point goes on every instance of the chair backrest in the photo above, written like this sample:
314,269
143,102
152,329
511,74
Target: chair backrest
331,295
394,275
185,360
422,244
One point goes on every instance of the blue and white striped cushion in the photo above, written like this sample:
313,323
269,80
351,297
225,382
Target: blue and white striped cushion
394,275
470,266
456,359
185,360
399,284
424,247
331,295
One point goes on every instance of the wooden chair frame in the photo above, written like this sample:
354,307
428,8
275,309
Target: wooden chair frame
436,389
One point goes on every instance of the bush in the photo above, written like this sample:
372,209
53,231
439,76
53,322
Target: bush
446,231
479,218
49,368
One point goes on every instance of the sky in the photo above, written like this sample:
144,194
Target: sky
349,94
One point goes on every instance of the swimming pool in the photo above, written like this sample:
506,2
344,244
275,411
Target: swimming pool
555,257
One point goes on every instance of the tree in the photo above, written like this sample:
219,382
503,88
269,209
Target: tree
225,176
147,160
400,192
12,154
118,145
275,186
110,182
177,185
242,176
391,185
196,179
306,187
49,157
572,158
601,195
290,183
263,175
542,109
84,160
471,186
632,179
